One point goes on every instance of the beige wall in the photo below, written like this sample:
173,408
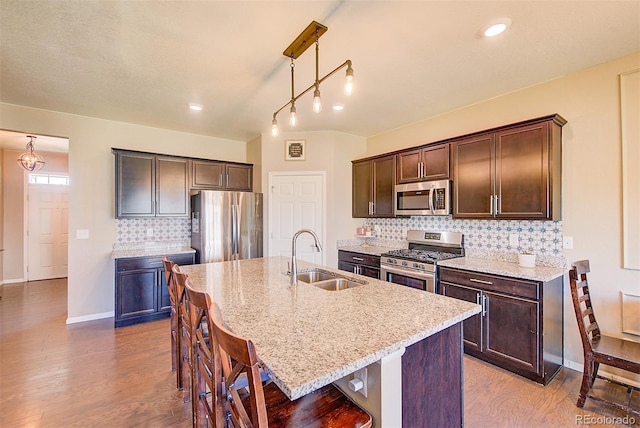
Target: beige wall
327,151
91,193
2,248
14,180
591,194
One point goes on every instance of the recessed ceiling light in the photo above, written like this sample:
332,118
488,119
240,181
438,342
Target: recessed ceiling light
496,27
338,107
195,107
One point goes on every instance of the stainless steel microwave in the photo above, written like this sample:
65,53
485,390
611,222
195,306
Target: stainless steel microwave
423,198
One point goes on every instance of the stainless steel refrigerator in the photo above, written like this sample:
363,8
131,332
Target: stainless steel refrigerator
226,225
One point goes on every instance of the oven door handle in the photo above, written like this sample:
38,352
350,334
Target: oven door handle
406,272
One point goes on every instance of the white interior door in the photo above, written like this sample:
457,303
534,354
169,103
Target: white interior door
296,201
47,231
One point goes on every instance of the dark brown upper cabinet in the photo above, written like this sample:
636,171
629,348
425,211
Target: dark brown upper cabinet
509,173
221,175
423,164
373,187
149,185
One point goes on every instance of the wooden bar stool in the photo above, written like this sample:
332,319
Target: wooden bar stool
207,376
598,348
176,326
266,406
186,344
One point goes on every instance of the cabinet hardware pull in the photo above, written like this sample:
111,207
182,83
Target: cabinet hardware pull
484,305
370,208
419,173
358,259
355,269
480,281
491,206
498,205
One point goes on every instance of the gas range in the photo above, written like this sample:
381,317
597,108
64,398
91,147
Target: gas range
416,265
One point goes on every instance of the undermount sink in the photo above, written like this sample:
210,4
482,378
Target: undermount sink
329,281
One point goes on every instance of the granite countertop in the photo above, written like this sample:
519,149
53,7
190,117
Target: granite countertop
148,249
370,250
506,268
308,337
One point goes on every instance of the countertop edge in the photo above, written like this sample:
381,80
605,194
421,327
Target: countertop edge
494,267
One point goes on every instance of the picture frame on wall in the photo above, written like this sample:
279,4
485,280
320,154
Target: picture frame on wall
294,150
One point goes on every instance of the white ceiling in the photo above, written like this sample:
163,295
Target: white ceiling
143,61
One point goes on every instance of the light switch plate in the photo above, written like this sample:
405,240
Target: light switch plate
82,234
149,232
567,242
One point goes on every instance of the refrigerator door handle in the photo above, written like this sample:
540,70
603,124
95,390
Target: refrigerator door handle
234,231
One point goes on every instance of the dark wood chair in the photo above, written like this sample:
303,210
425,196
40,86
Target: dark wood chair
185,332
207,377
176,324
598,348
267,405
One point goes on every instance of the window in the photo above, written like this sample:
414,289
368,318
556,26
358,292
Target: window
52,179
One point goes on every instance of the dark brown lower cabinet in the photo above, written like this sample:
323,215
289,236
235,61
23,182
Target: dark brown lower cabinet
520,327
141,288
361,264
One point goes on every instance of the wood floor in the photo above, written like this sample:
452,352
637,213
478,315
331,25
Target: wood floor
92,375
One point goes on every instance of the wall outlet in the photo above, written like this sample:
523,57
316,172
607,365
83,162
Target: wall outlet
513,240
567,242
149,232
82,234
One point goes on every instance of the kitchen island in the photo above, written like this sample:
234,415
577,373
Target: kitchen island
307,337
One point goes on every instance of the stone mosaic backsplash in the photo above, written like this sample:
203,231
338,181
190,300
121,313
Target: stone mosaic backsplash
162,229
540,237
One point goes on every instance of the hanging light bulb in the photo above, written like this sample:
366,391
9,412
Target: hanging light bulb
30,160
348,86
292,115
317,103
274,127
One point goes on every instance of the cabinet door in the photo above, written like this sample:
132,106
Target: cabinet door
164,301
135,185
369,271
435,162
409,166
473,177
348,267
384,180
512,333
172,187
207,174
471,327
361,189
522,172
239,177
136,293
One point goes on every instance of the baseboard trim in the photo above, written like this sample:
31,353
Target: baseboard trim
13,281
579,368
92,317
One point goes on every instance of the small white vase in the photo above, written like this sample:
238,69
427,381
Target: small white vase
527,260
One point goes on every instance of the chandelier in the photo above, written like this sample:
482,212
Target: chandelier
293,51
30,160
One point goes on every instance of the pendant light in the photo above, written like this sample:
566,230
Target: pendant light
30,160
295,49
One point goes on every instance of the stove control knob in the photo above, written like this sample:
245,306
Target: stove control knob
404,264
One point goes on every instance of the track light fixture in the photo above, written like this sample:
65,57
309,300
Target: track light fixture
293,51
30,160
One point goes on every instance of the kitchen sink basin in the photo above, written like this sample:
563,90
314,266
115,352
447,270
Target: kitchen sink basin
328,280
315,276
336,284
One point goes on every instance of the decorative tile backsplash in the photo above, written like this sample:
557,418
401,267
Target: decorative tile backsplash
539,237
163,229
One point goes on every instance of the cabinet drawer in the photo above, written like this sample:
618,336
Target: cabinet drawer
510,286
358,258
152,262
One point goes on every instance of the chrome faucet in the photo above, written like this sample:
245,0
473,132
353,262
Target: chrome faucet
294,265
